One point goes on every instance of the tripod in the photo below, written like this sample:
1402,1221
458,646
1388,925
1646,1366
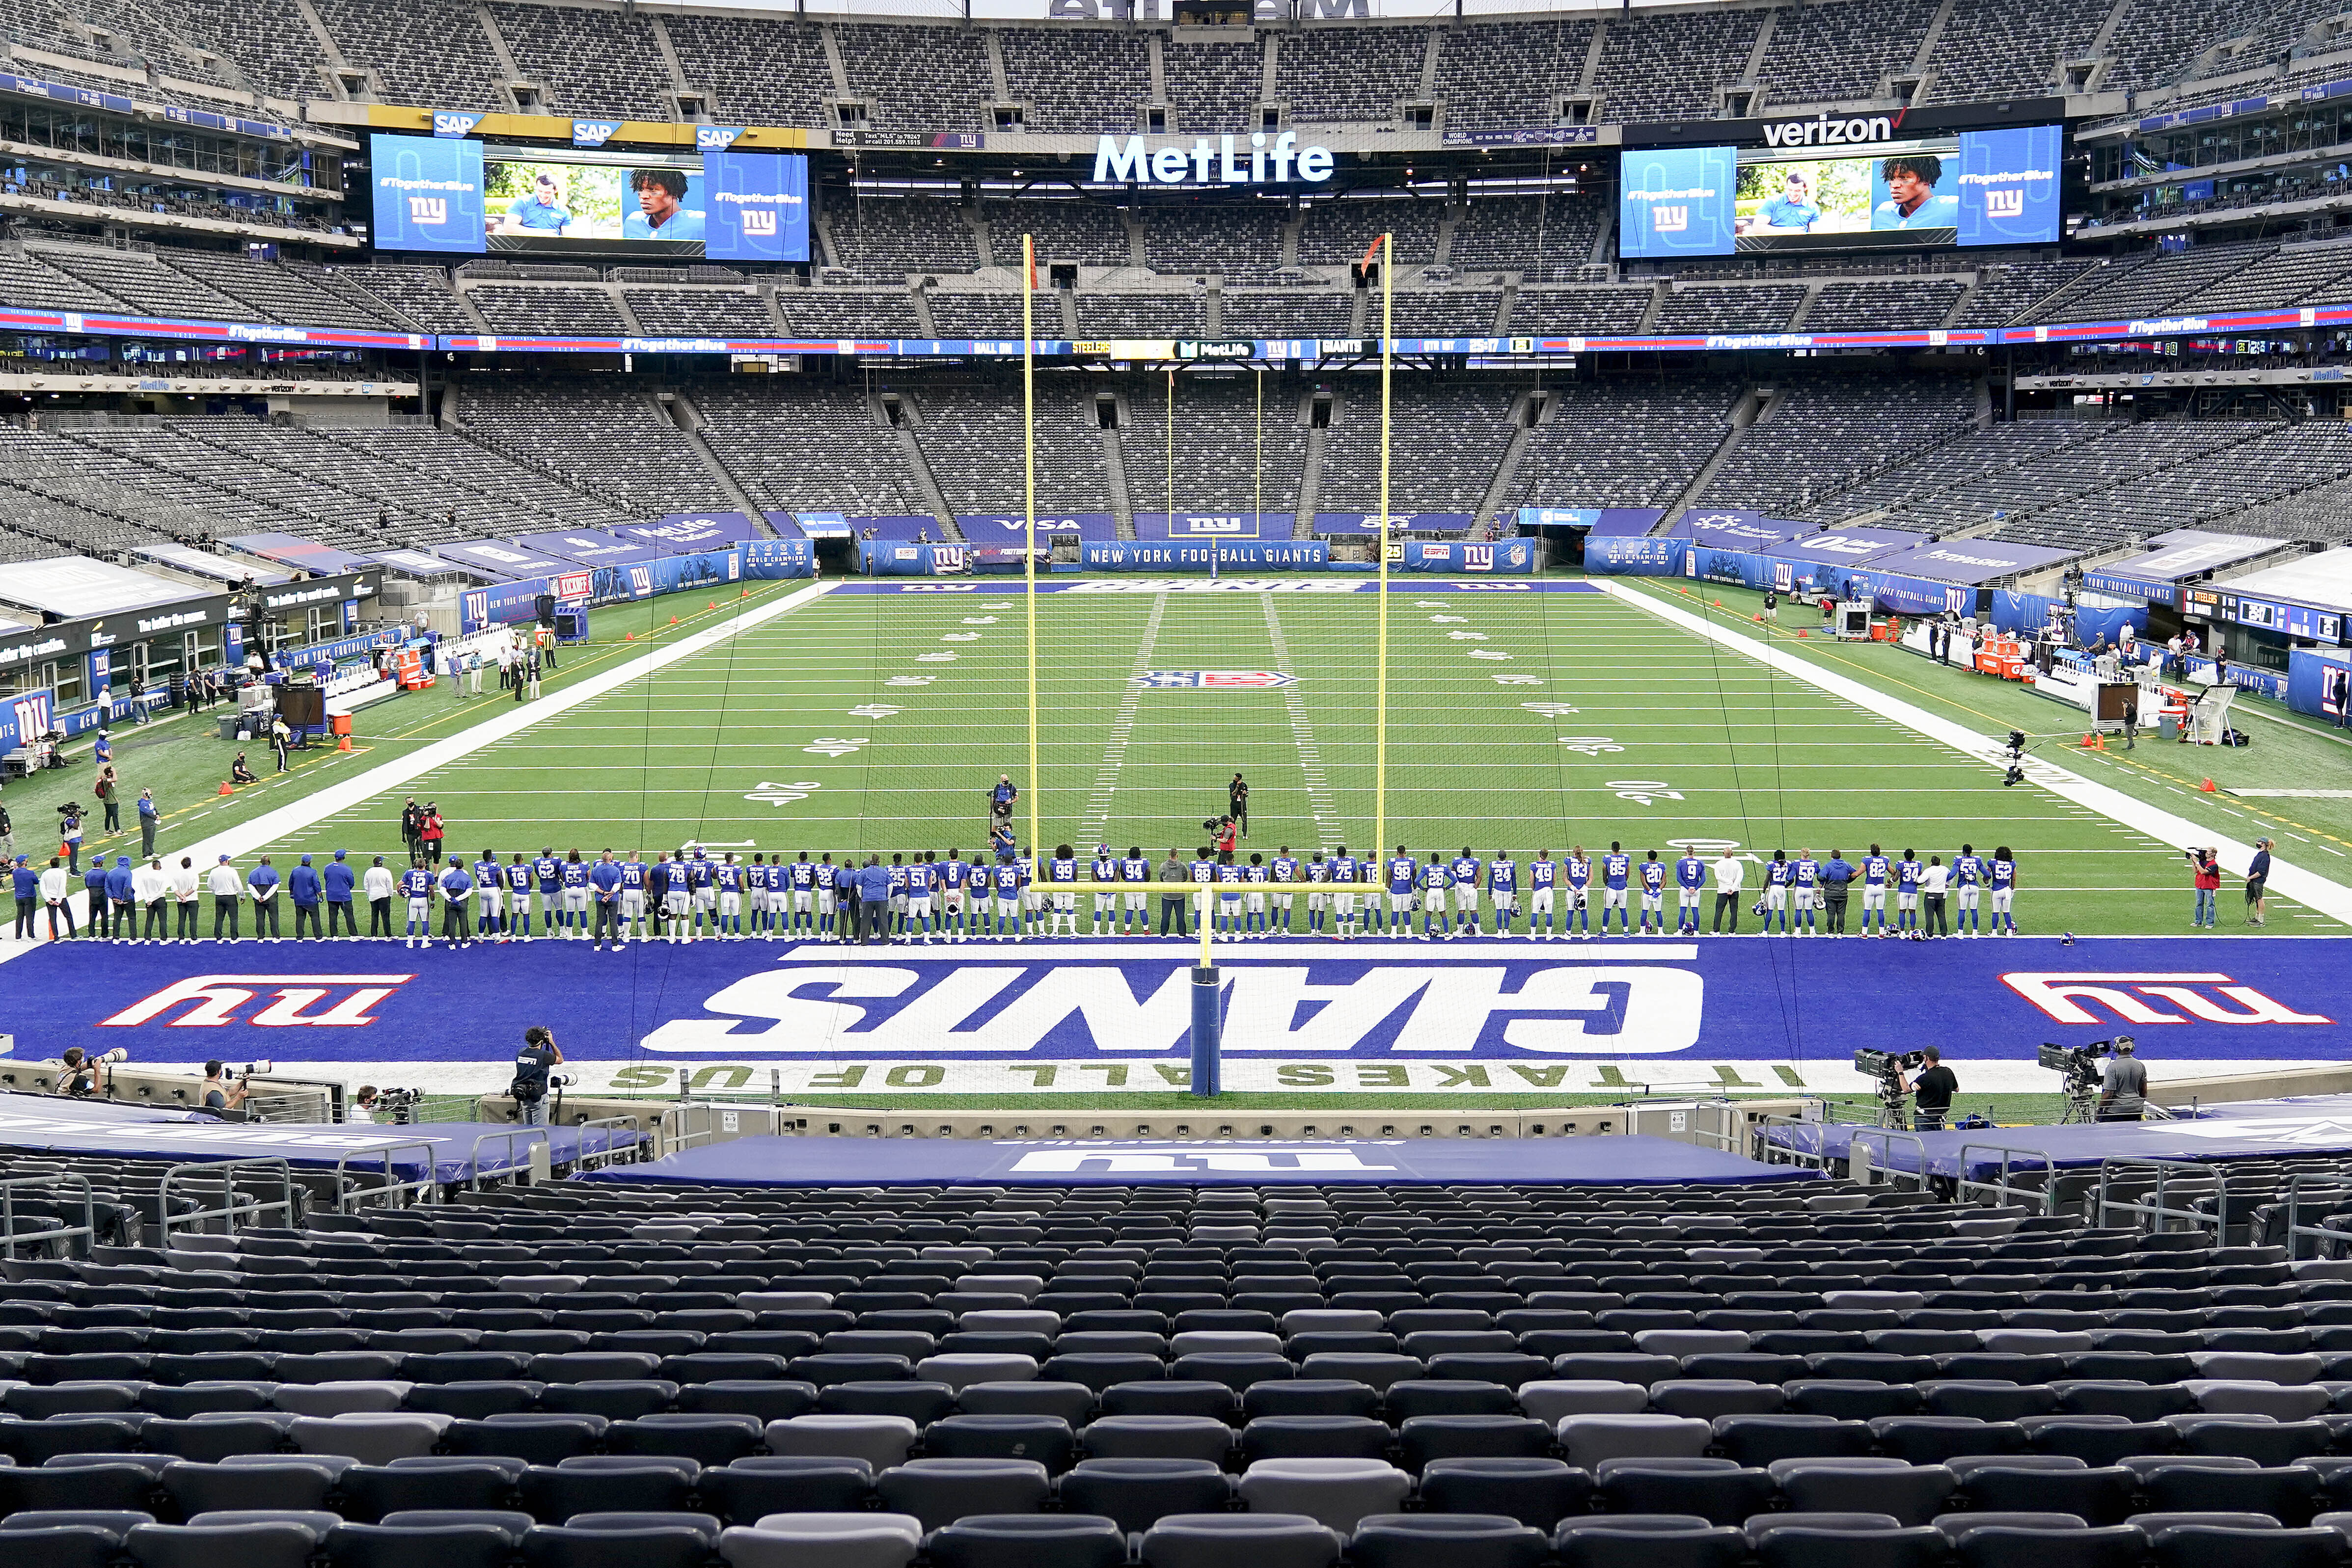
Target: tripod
2082,1100
1890,1105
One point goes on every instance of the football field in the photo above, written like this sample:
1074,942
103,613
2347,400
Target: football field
1520,718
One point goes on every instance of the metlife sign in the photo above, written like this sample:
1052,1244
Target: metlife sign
1258,160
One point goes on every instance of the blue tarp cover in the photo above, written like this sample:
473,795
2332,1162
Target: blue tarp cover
167,1136
834,1162
2250,1130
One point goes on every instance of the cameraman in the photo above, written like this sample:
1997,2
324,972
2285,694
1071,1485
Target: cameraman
79,1078
362,1107
534,1064
1932,1092
218,1093
2123,1086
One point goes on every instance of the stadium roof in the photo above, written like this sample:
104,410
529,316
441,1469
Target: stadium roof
2322,581
74,586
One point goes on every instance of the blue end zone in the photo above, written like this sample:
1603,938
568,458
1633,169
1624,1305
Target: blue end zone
1234,584
1568,1162
2263,1129
2267,999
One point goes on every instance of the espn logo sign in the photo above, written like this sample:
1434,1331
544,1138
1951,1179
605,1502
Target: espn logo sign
756,222
428,210
2005,204
1669,220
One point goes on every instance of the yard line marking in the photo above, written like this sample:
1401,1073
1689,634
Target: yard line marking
1096,821
1320,802
2303,886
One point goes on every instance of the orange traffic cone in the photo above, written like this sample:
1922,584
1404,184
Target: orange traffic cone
1718,604
712,605
344,743
2094,742
2207,788
225,788
628,636
673,620
1758,618
1802,634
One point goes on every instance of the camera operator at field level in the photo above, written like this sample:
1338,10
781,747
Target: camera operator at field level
535,1063
2123,1086
1931,1093
218,1092
362,1107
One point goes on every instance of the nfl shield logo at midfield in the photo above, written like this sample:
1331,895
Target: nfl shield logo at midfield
1221,680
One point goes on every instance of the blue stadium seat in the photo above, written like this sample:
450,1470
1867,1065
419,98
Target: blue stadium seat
1138,1492
748,1490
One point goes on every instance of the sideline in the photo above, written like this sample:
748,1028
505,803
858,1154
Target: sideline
258,832
2308,888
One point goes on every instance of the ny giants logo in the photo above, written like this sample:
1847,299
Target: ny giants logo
1478,558
757,222
1669,220
2062,996
212,1001
2005,204
428,210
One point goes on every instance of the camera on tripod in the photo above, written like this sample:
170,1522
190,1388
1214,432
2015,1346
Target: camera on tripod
397,1106
1888,1067
2080,1063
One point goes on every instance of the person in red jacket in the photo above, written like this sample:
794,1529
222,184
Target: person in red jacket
2205,868
433,833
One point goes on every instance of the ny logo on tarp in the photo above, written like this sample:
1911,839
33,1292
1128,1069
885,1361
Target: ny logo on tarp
1115,1162
212,1001
756,222
426,210
2140,999
1478,558
2005,204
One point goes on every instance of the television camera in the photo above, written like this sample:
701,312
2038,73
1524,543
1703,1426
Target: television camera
2080,1063
1888,1068
397,1106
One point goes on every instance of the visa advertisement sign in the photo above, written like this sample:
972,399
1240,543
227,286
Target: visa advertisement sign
755,206
428,193
1676,200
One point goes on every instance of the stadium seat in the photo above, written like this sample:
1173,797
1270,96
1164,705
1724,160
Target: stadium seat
1315,1437
1433,1541
1648,1540
1586,1440
880,1440
1218,1539
1911,1494
1536,1491
1161,1436
418,1546
213,1546
938,1491
1333,1492
640,1545
1029,1541
1719,1491
447,1482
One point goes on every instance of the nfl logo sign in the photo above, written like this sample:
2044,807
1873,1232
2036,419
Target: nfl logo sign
1212,680
1669,220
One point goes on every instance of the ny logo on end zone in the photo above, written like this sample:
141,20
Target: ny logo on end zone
212,1001
2062,996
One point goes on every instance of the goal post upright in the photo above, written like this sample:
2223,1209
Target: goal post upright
1386,245
1029,502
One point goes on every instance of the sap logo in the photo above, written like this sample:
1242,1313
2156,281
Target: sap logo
428,211
446,122
1141,1162
934,1009
715,138
2004,203
594,132
1669,220
212,1000
2062,996
757,221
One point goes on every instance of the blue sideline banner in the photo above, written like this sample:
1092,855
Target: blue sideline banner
1156,555
1900,595
2319,684
1638,557
1337,1016
762,560
1451,556
890,558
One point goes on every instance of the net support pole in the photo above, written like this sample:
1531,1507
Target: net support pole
1381,685
1029,501
1208,1029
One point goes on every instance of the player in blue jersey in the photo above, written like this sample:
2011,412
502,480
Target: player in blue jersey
1875,869
1653,893
1907,890
1436,879
416,886
1134,918
726,877
547,871
1805,883
1104,874
1616,874
1256,878
2001,873
1690,877
1229,898
1007,875
1502,891
792,894
633,897
1283,872
1344,876
1580,896
922,883
519,897
1062,873
604,886
1543,882
1466,870
1403,877
1777,873
953,877
827,878
1967,889
489,896
896,878
575,895
1032,894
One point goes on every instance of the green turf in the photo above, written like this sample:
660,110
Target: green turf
1603,724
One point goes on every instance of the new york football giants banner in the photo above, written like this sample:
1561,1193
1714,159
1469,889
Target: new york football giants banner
1199,555
1478,1016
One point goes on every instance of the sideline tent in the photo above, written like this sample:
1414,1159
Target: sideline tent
74,587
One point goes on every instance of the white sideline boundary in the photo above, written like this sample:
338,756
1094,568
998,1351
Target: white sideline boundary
247,838
2330,898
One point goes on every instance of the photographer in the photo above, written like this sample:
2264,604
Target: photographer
2205,870
1932,1092
2123,1086
218,1092
535,1063
79,1078
362,1107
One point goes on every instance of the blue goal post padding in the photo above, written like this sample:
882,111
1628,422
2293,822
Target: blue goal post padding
458,1151
1632,1161
2254,1130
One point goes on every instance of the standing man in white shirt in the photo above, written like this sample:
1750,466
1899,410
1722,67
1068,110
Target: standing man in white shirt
183,898
56,897
1934,878
1729,877
228,895
376,884
151,885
